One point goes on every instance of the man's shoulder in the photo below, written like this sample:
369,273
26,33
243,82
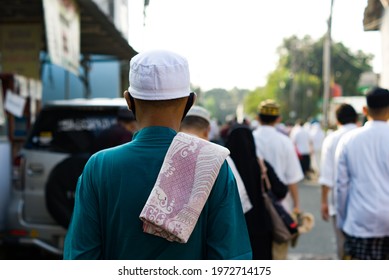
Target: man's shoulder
333,137
225,170
284,139
225,178
351,138
109,155
269,131
353,133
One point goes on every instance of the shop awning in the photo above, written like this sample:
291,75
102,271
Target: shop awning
98,33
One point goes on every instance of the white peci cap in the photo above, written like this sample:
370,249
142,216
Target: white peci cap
200,112
159,75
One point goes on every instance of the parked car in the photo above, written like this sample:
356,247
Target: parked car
48,166
5,174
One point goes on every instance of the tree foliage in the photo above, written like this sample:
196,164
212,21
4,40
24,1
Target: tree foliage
297,80
222,103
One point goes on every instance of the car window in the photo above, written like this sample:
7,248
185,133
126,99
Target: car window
69,130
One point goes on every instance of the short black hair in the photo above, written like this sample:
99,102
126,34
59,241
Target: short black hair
195,122
267,119
377,98
345,113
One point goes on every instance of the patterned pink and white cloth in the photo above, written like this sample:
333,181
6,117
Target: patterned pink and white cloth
184,183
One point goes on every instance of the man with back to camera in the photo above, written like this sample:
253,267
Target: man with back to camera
278,150
347,118
123,188
302,141
362,176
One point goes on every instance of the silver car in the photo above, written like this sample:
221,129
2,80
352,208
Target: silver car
48,166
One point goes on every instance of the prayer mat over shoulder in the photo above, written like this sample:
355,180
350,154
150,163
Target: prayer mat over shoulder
184,183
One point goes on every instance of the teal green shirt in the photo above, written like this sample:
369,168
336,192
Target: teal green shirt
112,191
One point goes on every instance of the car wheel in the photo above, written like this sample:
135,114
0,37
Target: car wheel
61,186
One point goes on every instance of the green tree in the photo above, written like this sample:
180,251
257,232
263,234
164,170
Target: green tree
306,55
218,102
253,98
222,103
297,80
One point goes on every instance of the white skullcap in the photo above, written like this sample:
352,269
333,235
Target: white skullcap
201,112
159,75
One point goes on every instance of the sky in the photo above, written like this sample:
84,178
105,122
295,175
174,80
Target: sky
233,43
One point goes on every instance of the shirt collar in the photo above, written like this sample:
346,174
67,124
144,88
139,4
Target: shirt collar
268,127
376,123
349,126
153,132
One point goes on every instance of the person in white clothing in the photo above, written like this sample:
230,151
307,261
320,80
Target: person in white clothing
279,151
302,141
362,176
347,118
317,137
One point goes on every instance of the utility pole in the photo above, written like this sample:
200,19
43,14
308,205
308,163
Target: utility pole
145,5
327,69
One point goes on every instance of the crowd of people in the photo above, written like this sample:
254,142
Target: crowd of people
183,188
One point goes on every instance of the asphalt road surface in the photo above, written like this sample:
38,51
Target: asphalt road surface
318,244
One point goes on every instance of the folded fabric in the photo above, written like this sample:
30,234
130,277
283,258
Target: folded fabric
186,178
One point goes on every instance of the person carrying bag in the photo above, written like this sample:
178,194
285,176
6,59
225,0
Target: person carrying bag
284,226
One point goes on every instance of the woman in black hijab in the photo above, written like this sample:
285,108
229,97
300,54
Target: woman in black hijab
241,144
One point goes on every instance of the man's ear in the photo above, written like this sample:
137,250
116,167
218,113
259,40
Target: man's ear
206,132
365,111
191,100
130,101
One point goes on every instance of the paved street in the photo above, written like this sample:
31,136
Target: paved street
319,244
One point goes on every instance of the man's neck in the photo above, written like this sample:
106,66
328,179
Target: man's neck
170,123
157,117
383,118
268,124
196,132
